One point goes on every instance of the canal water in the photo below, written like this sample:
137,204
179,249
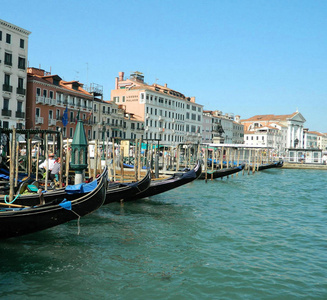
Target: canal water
261,236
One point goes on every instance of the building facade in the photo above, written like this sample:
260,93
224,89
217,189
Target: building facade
13,64
280,132
167,114
49,97
221,128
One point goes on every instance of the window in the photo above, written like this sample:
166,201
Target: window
7,80
51,94
38,92
45,93
21,63
8,38
19,106
123,98
22,43
5,124
8,59
20,83
37,112
5,104
0,35
50,114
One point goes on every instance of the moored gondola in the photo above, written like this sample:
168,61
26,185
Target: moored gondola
118,191
17,221
276,164
222,172
178,179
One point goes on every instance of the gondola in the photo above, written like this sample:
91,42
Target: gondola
222,172
118,191
178,179
276,164
19,221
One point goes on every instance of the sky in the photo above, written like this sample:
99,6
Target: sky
247,57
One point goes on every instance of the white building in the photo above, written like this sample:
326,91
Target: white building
167,114
281,132
13,74
221,128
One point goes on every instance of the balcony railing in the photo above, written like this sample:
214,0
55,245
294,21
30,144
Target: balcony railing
20,114
38,120
21,91
6,113
52,122
40,99
7,88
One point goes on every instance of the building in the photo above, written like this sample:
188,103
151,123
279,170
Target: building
48,97
280,132
221,128
310,139
315,139
116,123
167,115
13,64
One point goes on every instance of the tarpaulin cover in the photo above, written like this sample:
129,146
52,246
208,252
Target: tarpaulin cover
190,174
66,204
89,187
81,188
74,189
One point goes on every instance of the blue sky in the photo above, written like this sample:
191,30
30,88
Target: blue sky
242,57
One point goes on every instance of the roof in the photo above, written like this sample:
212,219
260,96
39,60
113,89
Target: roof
270,117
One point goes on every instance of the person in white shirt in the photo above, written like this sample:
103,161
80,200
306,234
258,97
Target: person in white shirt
51,161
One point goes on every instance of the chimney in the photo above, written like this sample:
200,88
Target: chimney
165,84
121,76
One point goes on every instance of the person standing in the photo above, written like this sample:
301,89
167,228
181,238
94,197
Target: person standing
55,170
51,161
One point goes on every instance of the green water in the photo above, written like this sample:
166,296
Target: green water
260,236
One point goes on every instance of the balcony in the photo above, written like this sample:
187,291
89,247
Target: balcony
20,114
40,99
6,113
21,91
147,116
52,122
7,88
38,120
52,102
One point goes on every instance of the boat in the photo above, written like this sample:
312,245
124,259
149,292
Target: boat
276,164
118,191
219,173
178,179
17,220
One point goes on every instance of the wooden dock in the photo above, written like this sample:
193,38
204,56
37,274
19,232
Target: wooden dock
304,166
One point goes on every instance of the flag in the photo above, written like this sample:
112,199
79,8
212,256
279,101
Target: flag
89,116
77,117
65,117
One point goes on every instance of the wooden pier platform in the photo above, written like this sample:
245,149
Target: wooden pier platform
304,166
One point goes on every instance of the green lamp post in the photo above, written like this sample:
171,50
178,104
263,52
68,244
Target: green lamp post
79,152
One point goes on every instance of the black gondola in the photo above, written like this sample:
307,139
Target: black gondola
178,179
276,164
20,221
222,172
118,191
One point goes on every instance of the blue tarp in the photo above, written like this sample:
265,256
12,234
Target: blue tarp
66,204
81,188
